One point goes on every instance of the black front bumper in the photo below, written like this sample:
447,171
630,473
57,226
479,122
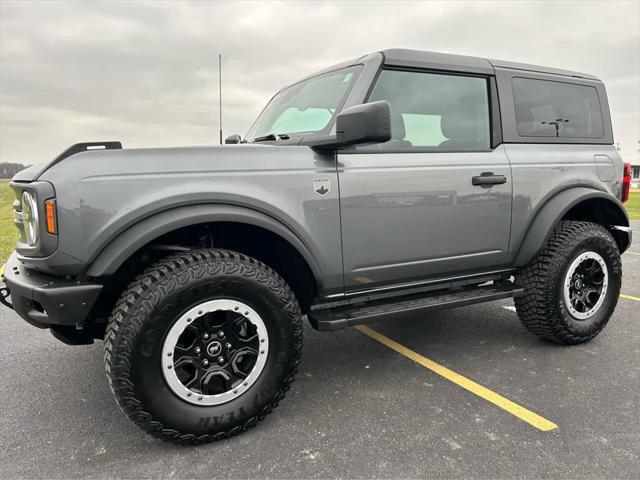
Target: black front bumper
45,301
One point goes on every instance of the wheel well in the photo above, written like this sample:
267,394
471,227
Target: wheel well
253,241
603,212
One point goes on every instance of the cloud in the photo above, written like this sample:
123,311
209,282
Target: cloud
145,73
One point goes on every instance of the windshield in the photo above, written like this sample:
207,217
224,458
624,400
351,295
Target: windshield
306,107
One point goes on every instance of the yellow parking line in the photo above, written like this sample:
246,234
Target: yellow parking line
473,387
632,253
629,297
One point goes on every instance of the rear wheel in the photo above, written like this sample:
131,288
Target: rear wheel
203,345
572,287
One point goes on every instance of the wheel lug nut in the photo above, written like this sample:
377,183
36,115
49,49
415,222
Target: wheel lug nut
197,350
205,362
220,334
228,345
205,336
220,359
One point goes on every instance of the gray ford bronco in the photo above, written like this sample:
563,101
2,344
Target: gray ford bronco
380,188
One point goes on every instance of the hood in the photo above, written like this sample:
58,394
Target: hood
113,162
32,173
29,174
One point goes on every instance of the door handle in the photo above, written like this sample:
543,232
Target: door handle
486,179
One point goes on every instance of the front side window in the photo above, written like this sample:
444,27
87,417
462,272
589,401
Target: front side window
545,108
434,111
306,107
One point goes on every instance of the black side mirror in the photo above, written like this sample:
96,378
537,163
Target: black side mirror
233,139
358,125
366,123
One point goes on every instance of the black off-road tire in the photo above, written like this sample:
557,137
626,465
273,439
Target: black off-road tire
542,309
146,311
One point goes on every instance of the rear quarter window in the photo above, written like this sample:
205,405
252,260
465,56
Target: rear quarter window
546,108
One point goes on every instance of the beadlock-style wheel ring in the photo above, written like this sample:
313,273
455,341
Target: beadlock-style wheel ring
215,352
585,285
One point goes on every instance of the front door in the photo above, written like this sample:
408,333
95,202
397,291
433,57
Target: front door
434,201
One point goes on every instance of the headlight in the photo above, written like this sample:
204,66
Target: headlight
30,218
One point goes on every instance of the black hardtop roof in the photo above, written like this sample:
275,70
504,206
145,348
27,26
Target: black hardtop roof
403,57
446,61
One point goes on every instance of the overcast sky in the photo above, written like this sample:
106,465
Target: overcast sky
145,73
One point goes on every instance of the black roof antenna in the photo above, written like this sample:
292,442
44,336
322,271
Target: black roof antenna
220,91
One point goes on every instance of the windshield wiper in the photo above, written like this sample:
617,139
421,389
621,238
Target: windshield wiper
272,137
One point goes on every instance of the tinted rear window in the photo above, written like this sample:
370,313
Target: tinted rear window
555,109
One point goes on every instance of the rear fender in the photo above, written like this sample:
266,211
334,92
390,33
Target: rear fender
556,208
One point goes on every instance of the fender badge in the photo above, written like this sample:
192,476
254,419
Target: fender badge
321,186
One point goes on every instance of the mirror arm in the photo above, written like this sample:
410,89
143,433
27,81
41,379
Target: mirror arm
325,143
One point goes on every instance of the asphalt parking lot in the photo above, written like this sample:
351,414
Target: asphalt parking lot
358,408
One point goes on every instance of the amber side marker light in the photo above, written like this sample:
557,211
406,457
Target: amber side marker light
50,213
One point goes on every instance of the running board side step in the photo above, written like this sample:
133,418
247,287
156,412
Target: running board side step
342,317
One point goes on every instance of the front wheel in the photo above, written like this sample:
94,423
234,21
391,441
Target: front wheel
572,287
203,345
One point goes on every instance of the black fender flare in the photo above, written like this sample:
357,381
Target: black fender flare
554,210
140,234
